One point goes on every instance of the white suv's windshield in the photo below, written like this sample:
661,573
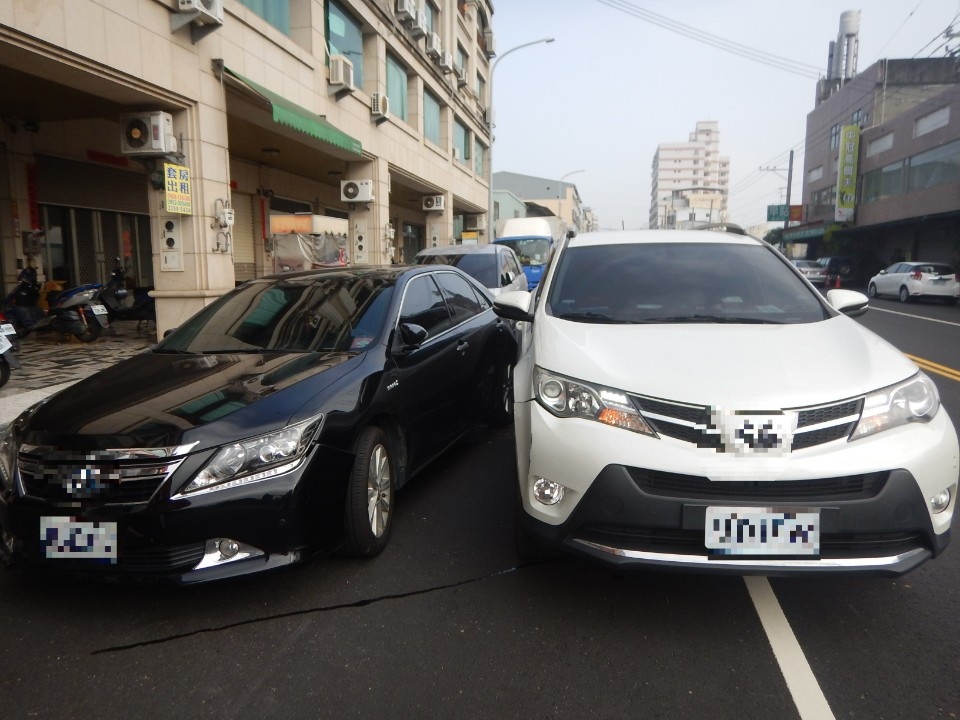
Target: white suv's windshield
680,283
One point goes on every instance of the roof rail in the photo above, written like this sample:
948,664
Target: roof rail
721,227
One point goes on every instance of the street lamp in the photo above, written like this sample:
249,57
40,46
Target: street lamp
490,220
560,195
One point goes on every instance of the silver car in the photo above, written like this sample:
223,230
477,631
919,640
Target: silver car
496,267
913,280
812,271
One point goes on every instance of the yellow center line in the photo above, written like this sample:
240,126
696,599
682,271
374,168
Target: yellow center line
935,368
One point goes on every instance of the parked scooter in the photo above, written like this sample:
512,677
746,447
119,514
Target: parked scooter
74,311
114,296
8,349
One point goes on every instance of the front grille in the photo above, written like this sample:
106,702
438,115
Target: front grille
92,479
693,487
698,424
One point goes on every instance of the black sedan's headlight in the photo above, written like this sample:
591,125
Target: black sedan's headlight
256,459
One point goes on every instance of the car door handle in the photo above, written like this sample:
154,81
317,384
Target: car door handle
462,347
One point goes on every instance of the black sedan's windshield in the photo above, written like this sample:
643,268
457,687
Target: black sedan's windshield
680,283
337,312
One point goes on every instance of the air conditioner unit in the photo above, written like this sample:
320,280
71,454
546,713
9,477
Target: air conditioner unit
488,43
476,222
461,77
147,133
446,61
419,28
433,202
341,72
379,105
210,11
433,46
356,191
406,11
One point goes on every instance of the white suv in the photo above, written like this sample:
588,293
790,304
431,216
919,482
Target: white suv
665,416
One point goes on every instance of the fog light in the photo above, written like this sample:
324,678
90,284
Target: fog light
940,501
228,548
547,492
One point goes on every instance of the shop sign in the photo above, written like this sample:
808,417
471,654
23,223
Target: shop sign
177,189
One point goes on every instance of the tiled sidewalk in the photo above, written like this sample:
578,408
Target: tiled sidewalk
47,364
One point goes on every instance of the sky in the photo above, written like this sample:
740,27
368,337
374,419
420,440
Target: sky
594,104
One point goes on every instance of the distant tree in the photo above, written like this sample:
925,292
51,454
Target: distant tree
774,237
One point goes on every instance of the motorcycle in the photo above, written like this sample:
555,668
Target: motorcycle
72,311
8,348
114,295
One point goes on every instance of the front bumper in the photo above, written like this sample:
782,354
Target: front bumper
631,517
636,500
174,538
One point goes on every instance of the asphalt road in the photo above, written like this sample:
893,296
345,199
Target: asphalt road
447,624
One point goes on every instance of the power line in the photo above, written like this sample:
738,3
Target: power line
721,43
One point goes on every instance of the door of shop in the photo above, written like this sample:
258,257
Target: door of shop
412,242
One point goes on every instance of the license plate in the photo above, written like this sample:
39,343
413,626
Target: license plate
4,344
99,309
7,329
762,531
67,537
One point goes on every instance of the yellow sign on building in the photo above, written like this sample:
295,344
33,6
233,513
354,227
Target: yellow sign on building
847,173
176,183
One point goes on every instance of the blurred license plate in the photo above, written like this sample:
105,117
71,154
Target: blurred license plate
762,531
7,329
67,537
99,309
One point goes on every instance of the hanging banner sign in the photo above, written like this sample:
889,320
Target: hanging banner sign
847,175
176,185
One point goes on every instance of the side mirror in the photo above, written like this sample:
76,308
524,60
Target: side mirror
506,279
849,302
412,335
514,306
167,332
883,272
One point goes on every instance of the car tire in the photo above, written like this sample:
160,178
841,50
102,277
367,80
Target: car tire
871,290
368,512
904,295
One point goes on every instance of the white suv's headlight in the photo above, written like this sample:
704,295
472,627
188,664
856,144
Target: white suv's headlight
915,400
256,459
569,398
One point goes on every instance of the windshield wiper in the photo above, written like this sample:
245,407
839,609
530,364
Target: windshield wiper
591,317
723,319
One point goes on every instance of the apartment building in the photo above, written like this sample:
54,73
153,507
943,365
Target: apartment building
892,133
188,137
690,181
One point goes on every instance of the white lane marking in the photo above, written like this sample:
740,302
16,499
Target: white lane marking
803,686
915,317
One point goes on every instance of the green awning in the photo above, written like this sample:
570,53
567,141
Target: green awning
298,118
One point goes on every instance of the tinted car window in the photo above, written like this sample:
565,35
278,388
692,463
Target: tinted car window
424,305
460,297
479,265
295,314
680,282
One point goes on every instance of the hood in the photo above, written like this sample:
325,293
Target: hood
748,367
162,399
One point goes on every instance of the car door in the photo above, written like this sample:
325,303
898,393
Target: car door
426,392
886,282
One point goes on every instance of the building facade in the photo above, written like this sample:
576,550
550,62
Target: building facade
690,181
902,119
188,137
557,197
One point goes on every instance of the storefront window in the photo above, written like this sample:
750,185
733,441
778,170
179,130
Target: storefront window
935,167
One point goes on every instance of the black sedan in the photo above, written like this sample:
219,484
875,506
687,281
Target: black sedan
276,423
